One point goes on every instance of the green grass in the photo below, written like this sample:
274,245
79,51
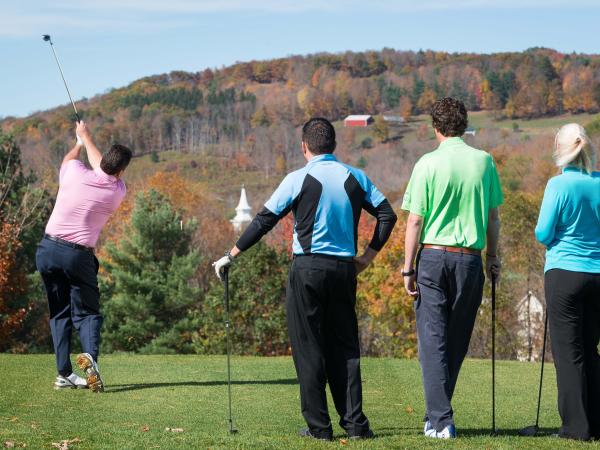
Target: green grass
189,392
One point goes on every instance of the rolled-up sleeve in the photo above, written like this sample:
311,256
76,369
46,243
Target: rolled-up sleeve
549,215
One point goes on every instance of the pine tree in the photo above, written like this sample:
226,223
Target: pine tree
149,294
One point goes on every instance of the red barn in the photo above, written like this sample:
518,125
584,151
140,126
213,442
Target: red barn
358,120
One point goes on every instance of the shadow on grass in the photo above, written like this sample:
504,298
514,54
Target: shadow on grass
114,388
469,432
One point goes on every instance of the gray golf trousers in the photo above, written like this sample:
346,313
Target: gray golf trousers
450,288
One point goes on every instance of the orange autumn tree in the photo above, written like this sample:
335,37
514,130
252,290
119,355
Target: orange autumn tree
13,284
385,310
191,198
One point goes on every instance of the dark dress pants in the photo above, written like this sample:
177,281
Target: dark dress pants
574,317
323,330
450,289
70,276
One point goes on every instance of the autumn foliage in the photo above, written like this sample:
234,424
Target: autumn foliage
13,285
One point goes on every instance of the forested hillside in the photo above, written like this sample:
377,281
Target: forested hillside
199,136
251,110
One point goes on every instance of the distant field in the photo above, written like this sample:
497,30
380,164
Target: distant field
189,392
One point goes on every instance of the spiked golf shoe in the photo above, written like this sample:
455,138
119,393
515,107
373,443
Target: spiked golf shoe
90,368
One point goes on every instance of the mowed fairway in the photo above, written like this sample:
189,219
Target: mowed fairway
190,392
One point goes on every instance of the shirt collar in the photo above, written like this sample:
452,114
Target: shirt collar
103,175
323,157
450,141
574,169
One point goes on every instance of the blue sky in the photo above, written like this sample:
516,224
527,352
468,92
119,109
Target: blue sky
109,43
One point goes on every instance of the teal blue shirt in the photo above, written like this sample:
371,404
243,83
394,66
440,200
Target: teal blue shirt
569,221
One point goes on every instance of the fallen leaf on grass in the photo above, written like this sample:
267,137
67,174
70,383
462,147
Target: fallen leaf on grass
409,409
344,441
14,419
66,443
145,428
9,444
174,430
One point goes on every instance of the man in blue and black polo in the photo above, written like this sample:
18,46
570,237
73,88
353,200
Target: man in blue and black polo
327,198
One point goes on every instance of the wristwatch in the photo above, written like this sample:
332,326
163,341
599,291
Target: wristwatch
409,273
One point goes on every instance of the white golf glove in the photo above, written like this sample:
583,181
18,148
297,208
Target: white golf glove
220,264
79,141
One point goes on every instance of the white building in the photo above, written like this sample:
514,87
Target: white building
243,212
530,312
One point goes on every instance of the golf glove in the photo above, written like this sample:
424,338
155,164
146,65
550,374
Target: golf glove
79,141
221,264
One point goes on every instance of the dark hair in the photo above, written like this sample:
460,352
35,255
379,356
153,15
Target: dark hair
115,160
449,117
319,136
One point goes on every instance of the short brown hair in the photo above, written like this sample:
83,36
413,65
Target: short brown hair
319,136
116,159
449,117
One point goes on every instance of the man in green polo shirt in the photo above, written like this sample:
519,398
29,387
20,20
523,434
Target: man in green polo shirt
452,198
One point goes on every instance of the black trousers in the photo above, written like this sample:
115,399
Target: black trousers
574,316
70,278
323,330
450,289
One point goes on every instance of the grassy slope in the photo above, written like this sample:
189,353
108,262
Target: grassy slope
189,392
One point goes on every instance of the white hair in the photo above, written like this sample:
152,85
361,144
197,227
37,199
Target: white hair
572,146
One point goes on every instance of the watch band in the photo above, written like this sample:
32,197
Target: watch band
228,254
408,274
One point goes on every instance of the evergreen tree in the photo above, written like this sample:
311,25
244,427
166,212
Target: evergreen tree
149,293
257,313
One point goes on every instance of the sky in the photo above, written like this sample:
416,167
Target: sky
103,44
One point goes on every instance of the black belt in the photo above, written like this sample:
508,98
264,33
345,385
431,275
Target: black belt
325,256
68,243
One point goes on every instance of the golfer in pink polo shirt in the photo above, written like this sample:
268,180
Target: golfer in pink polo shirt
65,256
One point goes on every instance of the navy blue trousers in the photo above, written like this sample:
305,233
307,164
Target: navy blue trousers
450,289
70,277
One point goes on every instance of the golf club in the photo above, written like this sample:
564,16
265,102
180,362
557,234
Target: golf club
47,38
532,430
494,430
232,428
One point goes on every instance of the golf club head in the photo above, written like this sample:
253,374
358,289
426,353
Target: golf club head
232,429
529,431
46,37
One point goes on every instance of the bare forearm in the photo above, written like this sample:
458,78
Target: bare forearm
493,234
74,153
411,242
93,154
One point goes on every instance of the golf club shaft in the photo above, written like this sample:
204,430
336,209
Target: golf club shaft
493,353
537,416
64,81
226,281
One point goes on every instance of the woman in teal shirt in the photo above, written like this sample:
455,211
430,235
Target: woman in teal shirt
569,226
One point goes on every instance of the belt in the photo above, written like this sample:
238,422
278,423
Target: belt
325,256
68,243
469,251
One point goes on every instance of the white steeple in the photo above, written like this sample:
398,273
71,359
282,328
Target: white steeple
243,211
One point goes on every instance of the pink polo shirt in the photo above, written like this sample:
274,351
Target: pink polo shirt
86,199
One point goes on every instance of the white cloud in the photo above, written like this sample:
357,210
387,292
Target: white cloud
26,18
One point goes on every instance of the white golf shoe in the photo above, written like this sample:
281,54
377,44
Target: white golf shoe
73,381
447,433
92,373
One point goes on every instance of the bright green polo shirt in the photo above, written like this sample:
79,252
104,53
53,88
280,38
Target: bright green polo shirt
453,188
